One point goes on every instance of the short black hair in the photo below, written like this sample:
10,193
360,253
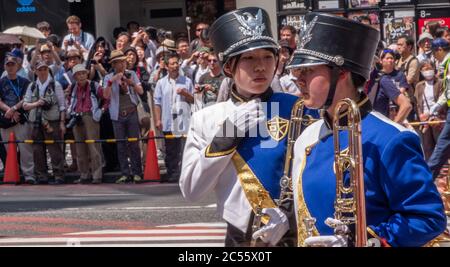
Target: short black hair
132,23
408,39
117,31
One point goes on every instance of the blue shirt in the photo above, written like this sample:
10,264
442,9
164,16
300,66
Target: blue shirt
12,92
389,89
175,110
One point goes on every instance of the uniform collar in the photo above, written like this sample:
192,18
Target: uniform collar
237,98
365,107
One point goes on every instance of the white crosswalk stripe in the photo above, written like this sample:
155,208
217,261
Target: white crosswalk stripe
181,235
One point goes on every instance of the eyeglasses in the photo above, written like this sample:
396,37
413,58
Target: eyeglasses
213,61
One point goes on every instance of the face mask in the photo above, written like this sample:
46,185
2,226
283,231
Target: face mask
428,74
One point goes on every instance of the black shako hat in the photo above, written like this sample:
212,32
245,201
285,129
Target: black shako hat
240,31
332,40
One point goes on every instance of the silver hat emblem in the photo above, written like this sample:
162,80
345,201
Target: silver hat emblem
305,33
251,25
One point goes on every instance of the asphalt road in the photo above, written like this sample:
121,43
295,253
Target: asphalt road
116,210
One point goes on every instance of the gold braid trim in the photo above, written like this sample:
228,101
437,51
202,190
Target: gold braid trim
303,212
252,186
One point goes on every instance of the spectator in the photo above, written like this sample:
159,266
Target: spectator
289,33
143,76
45,28
132,27
208,86
123,41
98,58
196,43
76,38
55,40
441,51
45,100
85,109
383,88
183,49
427,93
18,54
424,43
12,91
443,32
48,54
123,88
72,58
409,65
285,54
173,96
197,65
160,69
151,40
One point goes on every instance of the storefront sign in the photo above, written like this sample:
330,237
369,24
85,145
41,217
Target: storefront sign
25,6
328,4
398,24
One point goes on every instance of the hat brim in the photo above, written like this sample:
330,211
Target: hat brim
86,71
122,58
250,46
303,61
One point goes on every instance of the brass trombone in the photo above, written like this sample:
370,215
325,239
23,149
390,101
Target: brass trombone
350,206
298,122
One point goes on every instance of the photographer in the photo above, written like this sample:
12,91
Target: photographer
123,88
45,101
97,63
209,84
197,42
76,38
13,117
86,109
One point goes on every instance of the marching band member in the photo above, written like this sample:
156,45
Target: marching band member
403,207
236,148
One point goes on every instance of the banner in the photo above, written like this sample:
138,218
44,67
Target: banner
398,23
367,17
432,16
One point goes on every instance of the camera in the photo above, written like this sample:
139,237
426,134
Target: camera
70,42
163,34
42,41
127,75
74,120
93,62
48,103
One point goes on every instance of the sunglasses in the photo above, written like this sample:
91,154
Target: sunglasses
213,61
201,29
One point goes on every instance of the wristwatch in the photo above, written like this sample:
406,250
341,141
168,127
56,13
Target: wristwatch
14,108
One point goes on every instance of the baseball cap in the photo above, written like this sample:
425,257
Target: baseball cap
440,43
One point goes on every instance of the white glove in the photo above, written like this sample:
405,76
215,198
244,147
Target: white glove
247,116
275,229
434,110
327,241
338,240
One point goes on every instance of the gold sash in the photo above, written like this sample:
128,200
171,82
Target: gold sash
252,186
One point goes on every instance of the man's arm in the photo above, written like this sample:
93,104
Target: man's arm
404,109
